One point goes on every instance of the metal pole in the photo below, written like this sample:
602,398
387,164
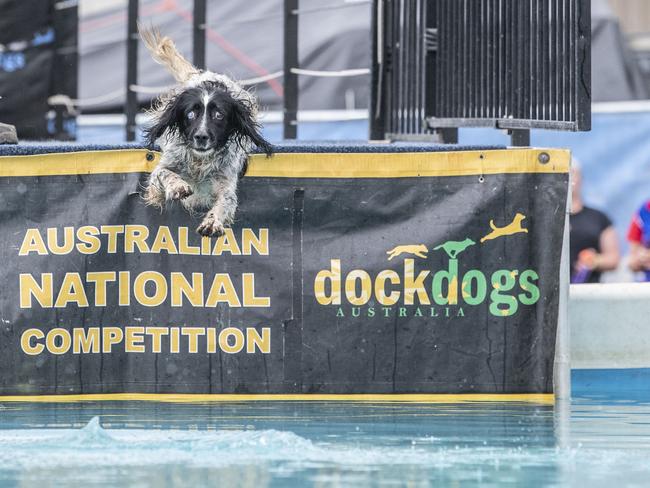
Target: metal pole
131,106
198,33
449,135
562,363
290,61
583,63
377,112
66,56
519,137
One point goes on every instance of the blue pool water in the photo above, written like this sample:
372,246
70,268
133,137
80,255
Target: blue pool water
596,441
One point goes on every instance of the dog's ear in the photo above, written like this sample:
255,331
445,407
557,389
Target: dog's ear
168,119
243,126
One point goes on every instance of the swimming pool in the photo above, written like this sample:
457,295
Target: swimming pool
596,441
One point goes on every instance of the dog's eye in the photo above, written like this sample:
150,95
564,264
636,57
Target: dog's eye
191,115
217,115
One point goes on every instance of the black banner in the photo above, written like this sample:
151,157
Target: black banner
25,82
38,59
22,18
433,273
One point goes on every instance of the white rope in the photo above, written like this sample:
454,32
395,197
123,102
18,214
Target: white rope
331,74
84,102
153,90
64,100
150,90
71,103
345,4
262,79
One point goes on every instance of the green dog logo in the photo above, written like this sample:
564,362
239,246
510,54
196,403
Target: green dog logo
454,248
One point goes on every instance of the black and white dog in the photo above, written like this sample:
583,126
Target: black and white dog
206,127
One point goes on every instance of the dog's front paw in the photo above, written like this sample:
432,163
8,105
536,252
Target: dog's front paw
210,227
179,191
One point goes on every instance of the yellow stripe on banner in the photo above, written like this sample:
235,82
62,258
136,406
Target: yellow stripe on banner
538,398
408,165
308,165
80,163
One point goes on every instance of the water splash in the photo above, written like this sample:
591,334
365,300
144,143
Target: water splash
493,447
96,446
92,433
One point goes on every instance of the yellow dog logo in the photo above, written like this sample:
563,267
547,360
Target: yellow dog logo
419,250
513,227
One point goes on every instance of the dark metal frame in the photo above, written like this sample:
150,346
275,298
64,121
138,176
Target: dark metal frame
131,105
198,33
198,56
66,59
290,117
199,60
443,64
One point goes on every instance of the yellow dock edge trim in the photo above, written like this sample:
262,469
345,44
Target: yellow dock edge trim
536,398
80,163
307,165
409,165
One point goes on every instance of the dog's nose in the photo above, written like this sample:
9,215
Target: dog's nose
201,140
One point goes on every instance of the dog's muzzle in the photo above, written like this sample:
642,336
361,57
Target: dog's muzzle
201,143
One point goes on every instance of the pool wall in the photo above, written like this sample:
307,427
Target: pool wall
610,337
610,326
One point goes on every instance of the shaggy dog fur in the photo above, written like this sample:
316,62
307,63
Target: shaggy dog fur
206,127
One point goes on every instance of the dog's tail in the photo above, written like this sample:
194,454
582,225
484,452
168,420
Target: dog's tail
164,52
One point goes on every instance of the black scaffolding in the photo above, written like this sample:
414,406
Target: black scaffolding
510,64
